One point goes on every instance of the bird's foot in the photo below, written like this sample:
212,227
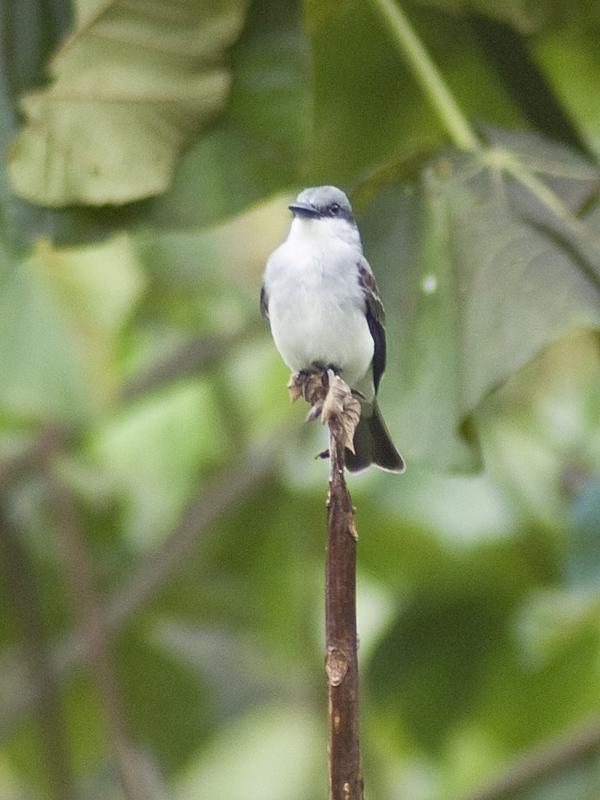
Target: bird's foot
311,384
322,367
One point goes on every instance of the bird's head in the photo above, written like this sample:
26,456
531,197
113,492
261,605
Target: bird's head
326,211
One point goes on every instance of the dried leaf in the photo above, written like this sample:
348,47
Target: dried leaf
294,386
331,400
342,409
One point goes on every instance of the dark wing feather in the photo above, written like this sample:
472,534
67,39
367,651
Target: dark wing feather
375,318
264,303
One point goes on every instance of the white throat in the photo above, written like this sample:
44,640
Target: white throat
324,230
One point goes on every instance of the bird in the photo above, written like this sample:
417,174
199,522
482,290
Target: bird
321,300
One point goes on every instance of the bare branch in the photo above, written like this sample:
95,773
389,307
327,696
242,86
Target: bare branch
331,399
202,513
190,358
17,465
542,762
88,610
341,659
39,679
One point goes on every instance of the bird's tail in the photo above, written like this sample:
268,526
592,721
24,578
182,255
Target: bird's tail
373,444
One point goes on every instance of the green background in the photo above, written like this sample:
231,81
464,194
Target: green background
161,512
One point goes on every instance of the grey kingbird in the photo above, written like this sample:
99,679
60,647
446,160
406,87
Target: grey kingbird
320,297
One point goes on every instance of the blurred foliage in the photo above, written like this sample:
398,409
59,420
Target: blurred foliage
146,437
146,67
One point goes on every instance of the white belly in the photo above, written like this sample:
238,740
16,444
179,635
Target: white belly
317,314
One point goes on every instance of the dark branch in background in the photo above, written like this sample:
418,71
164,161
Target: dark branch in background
15,467
87,609
20,587
191,357
203,512
508,52
543,762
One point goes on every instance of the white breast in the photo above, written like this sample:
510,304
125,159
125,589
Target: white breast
316,306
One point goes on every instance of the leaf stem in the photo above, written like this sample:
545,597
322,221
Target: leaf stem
427,74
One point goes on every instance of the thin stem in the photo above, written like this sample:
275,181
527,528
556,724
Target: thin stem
542,762
193,357
427,74
341,661
87,605
40,680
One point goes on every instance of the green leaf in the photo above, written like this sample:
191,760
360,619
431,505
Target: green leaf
259,145
550,621
577,781
367,107
526,16
369,112
428,669
570,61
501,269
583,561
130,86
153,450
168,705
60,313
268,754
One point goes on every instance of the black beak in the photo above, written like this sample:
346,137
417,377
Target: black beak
303,210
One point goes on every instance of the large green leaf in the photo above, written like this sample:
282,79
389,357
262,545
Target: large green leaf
369,112
259,144
524,15
428,668
130,86
152,452
256,147
60,313
501,268
570,60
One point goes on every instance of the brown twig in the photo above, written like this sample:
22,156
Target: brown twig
542,762
331,399
341,659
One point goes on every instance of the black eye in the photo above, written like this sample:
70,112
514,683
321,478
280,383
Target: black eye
334,209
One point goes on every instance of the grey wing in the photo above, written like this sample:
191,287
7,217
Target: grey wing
264,302
375,318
